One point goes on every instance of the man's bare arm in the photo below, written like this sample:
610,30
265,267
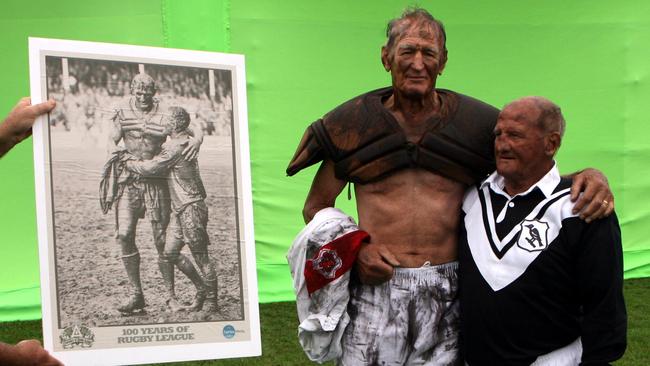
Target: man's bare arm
159,163
192,149
114,133
596,200
323,192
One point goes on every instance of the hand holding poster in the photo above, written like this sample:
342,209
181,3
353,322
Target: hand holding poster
144,204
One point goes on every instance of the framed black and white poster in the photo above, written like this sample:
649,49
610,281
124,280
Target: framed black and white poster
144,204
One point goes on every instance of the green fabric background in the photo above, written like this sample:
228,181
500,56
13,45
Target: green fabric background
304,58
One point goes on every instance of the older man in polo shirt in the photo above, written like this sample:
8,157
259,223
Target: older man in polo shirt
538,285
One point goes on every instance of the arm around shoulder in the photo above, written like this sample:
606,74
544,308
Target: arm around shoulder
191,151
591,193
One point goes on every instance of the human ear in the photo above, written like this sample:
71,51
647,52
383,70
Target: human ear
553,141
384,58
443,62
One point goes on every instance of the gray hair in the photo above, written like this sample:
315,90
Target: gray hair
410,17
550,118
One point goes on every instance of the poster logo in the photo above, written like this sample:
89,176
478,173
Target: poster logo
77,335
228,331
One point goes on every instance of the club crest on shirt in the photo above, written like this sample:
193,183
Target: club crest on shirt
327,263
532,236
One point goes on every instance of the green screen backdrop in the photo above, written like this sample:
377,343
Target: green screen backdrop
304,58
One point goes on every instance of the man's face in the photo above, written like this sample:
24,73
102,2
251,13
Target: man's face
520,146
170,125
415,62
143,99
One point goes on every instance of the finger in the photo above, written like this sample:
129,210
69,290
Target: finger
601,210
374,273
576,188
191,154
29,341
42,108
610,206
593,213
595,208
582,202
389,257
24,101
588,196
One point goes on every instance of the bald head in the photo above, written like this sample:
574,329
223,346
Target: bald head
549,119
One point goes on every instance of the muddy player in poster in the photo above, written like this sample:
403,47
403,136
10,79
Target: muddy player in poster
140,125
85,235
189,216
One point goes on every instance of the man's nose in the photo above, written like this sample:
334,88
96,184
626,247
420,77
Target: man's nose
500,144
418,61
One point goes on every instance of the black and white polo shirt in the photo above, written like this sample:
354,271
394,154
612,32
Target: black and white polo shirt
534,277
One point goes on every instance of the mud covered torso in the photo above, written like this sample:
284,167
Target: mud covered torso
366,143
143,132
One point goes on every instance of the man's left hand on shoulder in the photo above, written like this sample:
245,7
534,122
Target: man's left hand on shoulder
192,149
592,196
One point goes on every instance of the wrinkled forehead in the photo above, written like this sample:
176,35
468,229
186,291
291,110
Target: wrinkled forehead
523,111
418,28
144,88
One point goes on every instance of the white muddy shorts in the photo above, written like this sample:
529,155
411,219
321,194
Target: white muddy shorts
413,319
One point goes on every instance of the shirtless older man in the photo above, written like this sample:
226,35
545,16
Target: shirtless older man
411,150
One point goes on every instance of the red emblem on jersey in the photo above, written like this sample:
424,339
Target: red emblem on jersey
333,259
327,262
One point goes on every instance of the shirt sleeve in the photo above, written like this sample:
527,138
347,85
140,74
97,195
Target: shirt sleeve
600,279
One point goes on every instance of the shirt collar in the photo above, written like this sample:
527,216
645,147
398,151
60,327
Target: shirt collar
546,184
